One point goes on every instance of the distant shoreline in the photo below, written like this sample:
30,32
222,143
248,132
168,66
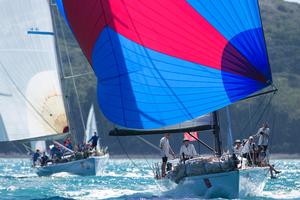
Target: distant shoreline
153,156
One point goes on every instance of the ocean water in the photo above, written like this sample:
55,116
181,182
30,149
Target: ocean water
122,179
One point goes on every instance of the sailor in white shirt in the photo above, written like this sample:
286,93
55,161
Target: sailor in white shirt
187,150
166,152
263,135
248,150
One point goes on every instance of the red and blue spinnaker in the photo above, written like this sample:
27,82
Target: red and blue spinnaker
159,63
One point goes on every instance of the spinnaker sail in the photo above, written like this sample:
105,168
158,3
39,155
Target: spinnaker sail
160,63
31,102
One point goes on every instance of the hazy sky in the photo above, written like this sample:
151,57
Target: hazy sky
298,1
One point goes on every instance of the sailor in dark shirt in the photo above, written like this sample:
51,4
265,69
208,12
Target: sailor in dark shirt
94,141
35,157
44,159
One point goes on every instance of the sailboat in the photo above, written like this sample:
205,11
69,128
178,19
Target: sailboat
162,63
32,107
93,165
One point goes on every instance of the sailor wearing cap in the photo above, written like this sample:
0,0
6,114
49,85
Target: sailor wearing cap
248,150
237,147
187,150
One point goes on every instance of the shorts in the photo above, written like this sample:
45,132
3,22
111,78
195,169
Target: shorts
165,159
263,147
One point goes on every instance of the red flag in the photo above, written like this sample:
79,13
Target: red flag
190,138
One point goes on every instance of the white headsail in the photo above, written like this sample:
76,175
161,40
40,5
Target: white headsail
31,103
91,125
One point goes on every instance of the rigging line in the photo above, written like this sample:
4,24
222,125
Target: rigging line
52,5
272,128
264,111
149,143
127,155
31,105
71,69
132,162
28,149
78,75
65,90
17,148
253,115
148,163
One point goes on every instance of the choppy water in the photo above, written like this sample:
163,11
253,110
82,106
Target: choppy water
121,180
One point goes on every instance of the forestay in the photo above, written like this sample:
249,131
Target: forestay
31,103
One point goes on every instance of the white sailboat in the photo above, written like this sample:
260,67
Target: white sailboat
162,63
31,99
94,165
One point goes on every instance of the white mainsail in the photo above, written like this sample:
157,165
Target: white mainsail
91,125
31,103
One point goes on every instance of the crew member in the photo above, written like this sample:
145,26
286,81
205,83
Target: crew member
44,159
166,152
248,150
263,137
187,150
94,140
35,157
237,147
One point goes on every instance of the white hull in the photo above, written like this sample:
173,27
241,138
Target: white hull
85,167
233,184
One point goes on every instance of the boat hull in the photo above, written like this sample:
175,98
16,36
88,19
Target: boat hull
233,184
86,167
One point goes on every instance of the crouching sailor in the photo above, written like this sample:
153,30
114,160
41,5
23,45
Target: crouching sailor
187,150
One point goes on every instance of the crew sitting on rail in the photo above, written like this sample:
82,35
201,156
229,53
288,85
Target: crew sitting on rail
68,143
44,159
187,150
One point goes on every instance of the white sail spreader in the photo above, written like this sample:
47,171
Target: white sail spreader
91,126
31,103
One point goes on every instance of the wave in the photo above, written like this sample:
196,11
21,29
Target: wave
110,194
292,194
128,174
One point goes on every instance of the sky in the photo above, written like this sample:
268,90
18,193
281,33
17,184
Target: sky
297,1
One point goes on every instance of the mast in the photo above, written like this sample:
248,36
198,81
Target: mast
72,76
216,132
60,64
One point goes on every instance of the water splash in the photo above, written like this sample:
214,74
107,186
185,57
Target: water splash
122,180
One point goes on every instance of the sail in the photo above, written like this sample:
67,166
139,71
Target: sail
91,126
40,145
160,63
31,103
